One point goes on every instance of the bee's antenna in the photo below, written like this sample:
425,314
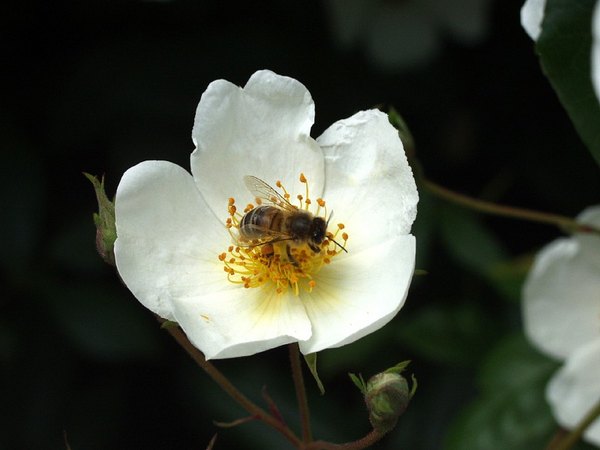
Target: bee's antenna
331,239
338,244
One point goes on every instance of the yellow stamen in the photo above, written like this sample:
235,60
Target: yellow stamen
284,263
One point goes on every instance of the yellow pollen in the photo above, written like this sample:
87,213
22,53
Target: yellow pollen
284,263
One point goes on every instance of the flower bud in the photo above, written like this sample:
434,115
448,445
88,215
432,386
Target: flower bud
106,232
387,397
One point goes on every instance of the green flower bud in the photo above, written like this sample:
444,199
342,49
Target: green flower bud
387,396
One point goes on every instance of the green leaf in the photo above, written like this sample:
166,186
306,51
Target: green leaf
469,241
511,410
565,55
453,334
106,231
311,362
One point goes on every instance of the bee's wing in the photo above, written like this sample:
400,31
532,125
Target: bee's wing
262,190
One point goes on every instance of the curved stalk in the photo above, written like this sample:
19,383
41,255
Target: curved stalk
567,440
364,442
256,411
300,392
563,222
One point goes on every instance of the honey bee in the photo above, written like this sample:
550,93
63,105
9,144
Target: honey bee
279,220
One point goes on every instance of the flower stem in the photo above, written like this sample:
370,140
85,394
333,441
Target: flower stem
571,438
300,392
359,444
563,222
229,388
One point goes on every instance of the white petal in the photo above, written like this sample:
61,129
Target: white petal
241,322
261,130
166,235
590,216
596,50
574,390
532,16
561,305
359,294
369,184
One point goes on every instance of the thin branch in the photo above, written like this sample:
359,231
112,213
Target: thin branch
300,392
563,222
229,388
571,438
359,444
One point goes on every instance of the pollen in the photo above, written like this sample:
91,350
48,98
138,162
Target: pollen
276,258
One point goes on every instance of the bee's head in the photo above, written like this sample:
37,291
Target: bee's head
318,230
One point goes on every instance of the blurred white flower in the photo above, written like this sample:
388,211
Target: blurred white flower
399,34
532,16
561,313
179,259
596,50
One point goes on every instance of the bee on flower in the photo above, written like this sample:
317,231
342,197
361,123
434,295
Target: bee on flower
280,269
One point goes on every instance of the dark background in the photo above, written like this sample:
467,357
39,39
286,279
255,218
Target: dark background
100,86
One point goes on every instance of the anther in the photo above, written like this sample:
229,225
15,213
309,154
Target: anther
341,226
231,201
321,202
302,178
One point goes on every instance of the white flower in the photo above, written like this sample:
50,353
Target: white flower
176,255
561,311
532,16
596,49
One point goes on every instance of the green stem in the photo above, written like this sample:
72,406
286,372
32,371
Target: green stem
565,223
573,437
229,388
300,392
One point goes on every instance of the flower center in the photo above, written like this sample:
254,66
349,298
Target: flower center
277,242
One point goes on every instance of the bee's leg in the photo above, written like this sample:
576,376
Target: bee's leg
314,247
291,258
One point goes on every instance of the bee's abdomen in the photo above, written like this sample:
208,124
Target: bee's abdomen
256,223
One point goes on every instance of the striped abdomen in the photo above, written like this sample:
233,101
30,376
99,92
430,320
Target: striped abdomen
258,222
